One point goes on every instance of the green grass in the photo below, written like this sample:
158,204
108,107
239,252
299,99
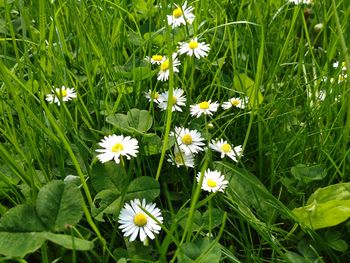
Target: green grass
268,50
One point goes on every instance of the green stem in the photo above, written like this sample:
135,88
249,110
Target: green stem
169,105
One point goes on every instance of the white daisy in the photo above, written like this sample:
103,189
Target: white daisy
235,102
178,100
116,145
342,77
205,107
299,2
226,149
181,15
155,59
135,222
63,93
153,96
163,74
213,181
199,49
189,141
180,158
343,65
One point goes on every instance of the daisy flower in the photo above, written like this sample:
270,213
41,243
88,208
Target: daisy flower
189,141
343,65
115,146
205,107
342,77
63,93
213,181
199,49
235,102
153,96
180,158
181,15
299,2
155,59
135,222
163,74
226,149
178,100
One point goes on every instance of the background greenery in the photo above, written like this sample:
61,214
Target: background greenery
294,142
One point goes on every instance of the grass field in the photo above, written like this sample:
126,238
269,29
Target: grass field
173,131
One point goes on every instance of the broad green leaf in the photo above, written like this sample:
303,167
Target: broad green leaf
216,218
135,120
197,222
247,188
333,239
108,201
118,120
295,257
155,38
328,206
307,174
59,204
69,242
143,187
141,73
141,120
21,218
203,250
20,244
152,144
108,176
246,85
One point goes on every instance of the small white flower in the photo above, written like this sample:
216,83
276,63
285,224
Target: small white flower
300,2
181,15
342,77
64,94
153,96
213,181
199,49
178,100
180,158
336,65
189,141
155,59
235,102
115,146
205,107
224,148
163,74
135,222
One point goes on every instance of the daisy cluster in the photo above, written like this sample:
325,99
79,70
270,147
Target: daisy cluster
139,218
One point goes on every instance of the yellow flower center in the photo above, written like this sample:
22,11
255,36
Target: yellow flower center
118,147
193,44
179,158
140,219
204,105
154,95
342,77
187,139
63,93
157,57
165,65
177,13
173,100
211,183
235,102
226,148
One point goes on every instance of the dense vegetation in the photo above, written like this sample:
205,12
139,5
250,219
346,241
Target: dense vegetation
236,149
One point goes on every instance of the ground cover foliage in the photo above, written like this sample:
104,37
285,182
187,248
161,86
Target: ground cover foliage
113,149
